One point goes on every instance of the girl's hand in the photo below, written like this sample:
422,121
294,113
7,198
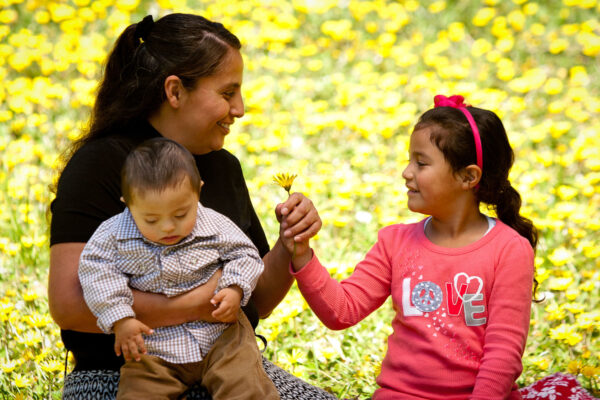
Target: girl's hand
227,301
128,338
298,218
299,251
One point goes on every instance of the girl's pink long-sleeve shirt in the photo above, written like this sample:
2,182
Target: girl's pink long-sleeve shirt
462,314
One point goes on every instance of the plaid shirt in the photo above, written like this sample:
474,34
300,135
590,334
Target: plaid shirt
118,257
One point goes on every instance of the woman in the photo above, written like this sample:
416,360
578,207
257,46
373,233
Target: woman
179,77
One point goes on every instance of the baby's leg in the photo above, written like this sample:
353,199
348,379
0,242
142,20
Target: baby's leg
150,378
233,370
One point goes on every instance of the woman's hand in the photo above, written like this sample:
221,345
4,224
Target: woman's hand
298,217
158,310
299,221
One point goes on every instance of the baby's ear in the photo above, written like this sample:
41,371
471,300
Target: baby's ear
122,199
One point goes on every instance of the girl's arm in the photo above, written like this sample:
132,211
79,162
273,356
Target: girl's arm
509,312
68,308
301,221
340,305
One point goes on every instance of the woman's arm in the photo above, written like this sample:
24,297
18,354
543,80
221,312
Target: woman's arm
301,222
65,296
69,310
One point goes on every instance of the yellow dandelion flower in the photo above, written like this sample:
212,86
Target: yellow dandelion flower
484,16
575,308
560,256
553,86
52,366
541,362
37,320
437,7
566,333
8,366
555,312
22,381
285,180
589,371
574,367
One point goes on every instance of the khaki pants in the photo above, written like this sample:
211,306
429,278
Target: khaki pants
231,370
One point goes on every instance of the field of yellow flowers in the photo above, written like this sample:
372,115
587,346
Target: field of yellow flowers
332,88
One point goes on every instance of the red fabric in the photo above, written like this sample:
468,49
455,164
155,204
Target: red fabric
557,386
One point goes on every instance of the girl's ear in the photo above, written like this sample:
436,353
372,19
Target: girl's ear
173,90
470,176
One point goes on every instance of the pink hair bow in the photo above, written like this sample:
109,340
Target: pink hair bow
458,102
455,101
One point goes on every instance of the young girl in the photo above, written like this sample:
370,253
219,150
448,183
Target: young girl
461,282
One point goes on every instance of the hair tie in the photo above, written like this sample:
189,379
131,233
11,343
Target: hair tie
144,27
457,102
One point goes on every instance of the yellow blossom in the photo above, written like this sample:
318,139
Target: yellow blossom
574,367
8,366
22,381
285,180
589,371
484,16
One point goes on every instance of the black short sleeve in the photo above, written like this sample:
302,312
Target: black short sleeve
88,191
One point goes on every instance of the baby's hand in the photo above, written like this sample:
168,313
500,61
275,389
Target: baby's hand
227,301
128,338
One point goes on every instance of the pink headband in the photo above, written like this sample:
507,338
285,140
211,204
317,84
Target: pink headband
457,101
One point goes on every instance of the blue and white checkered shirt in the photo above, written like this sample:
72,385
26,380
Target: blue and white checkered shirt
118,257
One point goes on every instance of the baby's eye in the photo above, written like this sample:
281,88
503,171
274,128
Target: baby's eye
181,216
150,221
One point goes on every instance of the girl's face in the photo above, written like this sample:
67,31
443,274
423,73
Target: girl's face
433,188
208,110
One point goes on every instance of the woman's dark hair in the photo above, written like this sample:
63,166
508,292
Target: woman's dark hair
132,88
452,134
155,165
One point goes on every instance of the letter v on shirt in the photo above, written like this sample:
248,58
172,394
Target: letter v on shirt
427,296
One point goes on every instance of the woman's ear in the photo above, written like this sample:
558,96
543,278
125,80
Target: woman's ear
173,90
470,176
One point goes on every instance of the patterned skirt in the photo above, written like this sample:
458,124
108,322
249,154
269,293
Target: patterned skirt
102,385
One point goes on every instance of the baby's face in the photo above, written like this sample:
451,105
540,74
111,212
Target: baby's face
168,216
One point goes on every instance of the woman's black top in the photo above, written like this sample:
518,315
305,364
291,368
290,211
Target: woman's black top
89,191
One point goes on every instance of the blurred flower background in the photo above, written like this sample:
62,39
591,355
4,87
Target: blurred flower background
331,90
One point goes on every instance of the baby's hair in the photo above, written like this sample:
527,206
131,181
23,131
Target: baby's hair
155,165
452,134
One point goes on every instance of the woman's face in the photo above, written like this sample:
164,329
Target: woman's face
209,109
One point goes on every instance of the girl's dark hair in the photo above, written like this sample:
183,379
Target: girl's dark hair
155,165
452,134
132,88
